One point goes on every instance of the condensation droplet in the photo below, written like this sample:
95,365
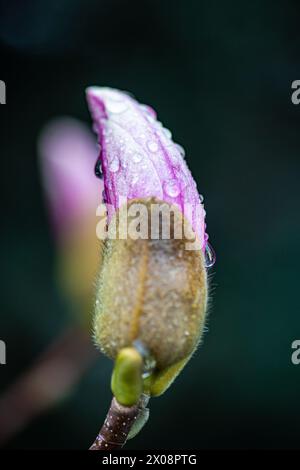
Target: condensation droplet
148,360
137,157
149,366
210,255
181,150
116,107
201,198
175,159
171,188
98,169
167,133
152,146
114,165
148,110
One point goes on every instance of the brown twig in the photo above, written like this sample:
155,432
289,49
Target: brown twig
118,424
49,379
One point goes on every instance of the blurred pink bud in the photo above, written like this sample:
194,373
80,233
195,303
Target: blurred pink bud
139,158
67,151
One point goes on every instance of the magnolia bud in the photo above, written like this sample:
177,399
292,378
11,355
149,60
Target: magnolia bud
152,290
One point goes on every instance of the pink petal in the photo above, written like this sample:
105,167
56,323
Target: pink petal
139,158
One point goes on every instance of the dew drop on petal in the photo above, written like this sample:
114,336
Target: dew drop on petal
149,366
181,150
175,159
148,110
167,133
116,107
98,169
151,119
171,188
152,146
201,198
149,362
114,165
137,157
210,256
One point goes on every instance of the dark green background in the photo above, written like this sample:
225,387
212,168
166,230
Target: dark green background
219,75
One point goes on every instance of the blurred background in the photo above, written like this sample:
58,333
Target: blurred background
219,75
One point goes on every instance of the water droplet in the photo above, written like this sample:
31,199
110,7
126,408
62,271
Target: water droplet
175,159
149,366
181,150
210,256
137,157
149,361
172,188
201,198
116,106
148,110
167,133
151,119
114,165
98,169
152,146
